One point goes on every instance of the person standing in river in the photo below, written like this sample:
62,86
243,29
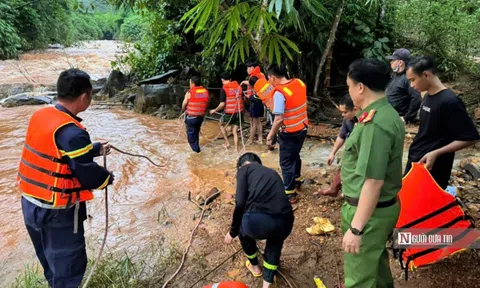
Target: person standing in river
371,177
262,211
196,104
56,177
445,126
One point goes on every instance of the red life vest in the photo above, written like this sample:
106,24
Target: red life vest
265,91
198,102
234,101
255,73
427,208
295,116
43,175
227,284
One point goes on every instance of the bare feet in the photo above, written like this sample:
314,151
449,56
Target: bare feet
260,141
226,145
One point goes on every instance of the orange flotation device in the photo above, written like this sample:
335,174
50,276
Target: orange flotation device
228,284
427,208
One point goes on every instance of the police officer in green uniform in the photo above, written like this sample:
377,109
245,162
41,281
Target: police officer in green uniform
371,177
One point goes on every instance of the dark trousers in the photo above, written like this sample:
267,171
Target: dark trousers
290,162
441,170
193,125
275,229
61,252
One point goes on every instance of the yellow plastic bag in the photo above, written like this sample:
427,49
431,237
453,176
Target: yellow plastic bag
322,225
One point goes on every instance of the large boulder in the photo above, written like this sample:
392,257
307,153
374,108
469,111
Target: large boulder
25,99
151,97
7,90
117,81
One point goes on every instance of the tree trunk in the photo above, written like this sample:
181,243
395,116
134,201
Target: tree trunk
328,69
331,40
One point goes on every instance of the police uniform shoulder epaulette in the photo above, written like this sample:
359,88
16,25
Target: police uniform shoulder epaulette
367,116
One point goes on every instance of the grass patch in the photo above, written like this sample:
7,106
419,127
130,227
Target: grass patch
120,270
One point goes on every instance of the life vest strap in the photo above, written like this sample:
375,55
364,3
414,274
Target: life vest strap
38,153
42,204
296,109
48,172
430,215
50,188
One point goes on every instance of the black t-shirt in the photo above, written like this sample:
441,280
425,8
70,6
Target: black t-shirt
259,190
443,119
223,95
347,127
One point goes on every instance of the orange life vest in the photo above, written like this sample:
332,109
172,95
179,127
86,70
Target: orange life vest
234,101
43,175
265,91
227,284
255,73
442,213
197,105
295,116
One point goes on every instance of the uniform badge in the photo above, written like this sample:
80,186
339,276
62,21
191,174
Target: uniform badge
367,117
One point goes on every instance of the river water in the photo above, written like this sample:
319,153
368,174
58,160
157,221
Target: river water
141,191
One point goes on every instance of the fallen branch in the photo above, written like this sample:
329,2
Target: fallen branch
216,267
190,199
190,241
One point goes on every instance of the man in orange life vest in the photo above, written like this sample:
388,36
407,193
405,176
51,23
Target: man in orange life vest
196,103
231,102
290,110
256,106
56,176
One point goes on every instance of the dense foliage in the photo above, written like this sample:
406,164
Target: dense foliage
27,25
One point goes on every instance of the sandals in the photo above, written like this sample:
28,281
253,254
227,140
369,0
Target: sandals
248,265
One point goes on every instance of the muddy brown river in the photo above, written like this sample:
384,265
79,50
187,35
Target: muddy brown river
141,191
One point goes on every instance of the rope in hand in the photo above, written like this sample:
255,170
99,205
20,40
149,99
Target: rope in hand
190,241
106,226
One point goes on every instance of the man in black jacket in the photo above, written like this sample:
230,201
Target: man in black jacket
401,96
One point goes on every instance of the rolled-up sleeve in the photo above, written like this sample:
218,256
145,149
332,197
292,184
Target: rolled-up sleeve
78,151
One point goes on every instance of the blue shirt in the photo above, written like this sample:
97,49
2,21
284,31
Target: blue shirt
347,127
278,103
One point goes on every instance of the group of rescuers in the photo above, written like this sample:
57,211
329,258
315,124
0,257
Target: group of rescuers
57,171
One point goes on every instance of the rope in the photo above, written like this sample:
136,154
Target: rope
190,241
106,226
106,196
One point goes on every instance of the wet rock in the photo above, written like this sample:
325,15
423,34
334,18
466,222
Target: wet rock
7,90
116,82
472,166
56,46
213,191
151,97
130,99
160,79
309,182
24,99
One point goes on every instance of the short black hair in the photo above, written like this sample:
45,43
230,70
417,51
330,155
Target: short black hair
373,73
253,80
278,70
72,83
347,101
421,64
250,157
196,80
226,76
251,64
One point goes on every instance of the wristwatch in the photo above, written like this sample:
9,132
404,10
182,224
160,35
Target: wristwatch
356,231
